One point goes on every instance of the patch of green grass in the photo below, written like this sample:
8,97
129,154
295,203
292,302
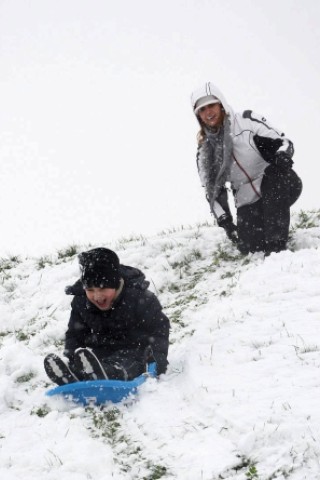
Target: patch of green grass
68,252
246,466
221,255
8,263
307,219
124,241
25,378
252,473
40,411
175,318
157,471
309,349
187,260
172,287
105,423
228,274
21,336
42,262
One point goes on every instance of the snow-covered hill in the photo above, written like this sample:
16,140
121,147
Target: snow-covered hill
241,398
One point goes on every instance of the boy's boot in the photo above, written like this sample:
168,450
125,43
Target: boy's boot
88,365
58,371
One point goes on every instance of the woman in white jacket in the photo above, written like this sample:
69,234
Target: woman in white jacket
245,150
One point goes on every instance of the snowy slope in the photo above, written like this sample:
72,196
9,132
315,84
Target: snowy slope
241,398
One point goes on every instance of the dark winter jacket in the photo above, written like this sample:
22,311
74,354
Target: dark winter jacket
134,322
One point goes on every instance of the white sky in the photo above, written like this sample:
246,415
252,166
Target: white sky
97,133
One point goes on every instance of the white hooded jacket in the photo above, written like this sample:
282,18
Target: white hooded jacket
254,146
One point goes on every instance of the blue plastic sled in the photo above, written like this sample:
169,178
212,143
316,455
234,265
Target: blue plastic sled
98,392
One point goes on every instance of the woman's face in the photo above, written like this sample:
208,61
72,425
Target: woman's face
212,115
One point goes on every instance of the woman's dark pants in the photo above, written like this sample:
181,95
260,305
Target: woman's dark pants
264,225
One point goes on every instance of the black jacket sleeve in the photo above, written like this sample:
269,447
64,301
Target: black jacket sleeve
77,330
269,141
154,328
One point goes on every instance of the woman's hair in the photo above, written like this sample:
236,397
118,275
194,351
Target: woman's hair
201,135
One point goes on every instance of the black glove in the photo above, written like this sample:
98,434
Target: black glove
148,355
283,161
225,221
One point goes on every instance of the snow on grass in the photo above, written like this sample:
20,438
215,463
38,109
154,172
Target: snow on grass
240,399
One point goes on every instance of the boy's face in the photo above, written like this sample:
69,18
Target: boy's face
101,297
